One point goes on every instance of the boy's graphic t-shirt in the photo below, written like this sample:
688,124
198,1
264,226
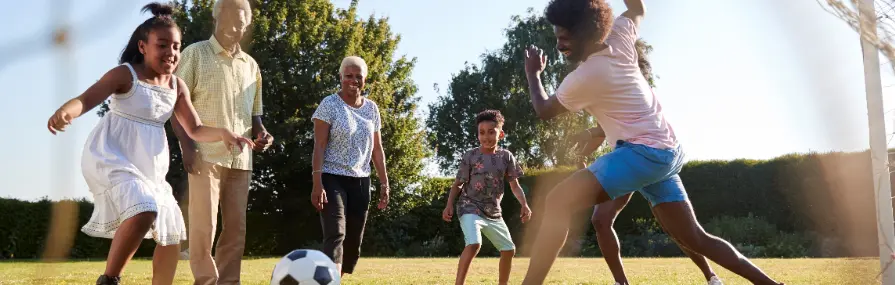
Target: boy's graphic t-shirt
483,177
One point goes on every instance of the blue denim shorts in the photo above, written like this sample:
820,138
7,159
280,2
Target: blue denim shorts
634,167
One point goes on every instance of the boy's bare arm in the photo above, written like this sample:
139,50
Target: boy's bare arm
517,191
525,211
448,212
455,190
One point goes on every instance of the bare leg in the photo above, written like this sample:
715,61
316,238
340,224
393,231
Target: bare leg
126,241
603,220
465,260
700,260
164,264
577,192
679,221
506,264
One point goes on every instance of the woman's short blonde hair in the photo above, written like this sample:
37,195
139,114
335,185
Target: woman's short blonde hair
355,61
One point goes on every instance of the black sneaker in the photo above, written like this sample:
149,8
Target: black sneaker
108,280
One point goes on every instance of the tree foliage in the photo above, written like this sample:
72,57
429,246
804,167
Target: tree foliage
499,82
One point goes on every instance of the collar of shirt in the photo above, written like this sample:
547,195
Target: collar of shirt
218,49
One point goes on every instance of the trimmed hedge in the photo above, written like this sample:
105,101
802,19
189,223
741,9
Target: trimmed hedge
813,204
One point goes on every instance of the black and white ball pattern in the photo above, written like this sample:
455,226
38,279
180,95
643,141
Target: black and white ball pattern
305,267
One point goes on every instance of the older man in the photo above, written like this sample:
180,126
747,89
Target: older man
225,84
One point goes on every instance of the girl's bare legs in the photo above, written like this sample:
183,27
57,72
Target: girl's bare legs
164,264
126,241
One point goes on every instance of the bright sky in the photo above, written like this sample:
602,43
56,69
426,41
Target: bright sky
738,79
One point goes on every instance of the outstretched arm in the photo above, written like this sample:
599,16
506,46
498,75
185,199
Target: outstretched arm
189,120
187,146
635,11
117,80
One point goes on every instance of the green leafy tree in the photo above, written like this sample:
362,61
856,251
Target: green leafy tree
499,82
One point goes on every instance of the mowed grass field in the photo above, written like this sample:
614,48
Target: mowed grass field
483,271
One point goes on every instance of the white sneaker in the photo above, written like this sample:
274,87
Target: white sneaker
715,281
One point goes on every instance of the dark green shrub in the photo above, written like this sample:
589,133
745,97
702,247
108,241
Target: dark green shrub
748,230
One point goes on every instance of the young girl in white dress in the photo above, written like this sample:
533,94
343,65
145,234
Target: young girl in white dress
126,158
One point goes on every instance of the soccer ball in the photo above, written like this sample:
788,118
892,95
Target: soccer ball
305,267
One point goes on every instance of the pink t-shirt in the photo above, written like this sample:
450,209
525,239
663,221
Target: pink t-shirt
610,86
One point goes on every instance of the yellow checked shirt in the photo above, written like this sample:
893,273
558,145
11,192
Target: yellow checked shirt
226,92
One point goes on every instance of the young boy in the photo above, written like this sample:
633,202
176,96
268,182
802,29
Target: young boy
647,157
482,173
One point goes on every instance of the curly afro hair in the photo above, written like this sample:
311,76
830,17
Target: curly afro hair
490,115
589,21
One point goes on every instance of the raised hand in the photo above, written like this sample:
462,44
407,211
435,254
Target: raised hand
535,60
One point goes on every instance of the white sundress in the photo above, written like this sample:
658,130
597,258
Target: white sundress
125,160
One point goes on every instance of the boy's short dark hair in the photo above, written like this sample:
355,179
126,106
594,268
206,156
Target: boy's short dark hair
589,21
490,115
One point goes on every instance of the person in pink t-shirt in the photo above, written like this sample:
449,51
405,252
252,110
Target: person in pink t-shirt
604,214
647,157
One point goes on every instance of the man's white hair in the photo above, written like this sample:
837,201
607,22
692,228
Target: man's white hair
242,4
355,61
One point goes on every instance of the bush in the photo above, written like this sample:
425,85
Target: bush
755,237
829,196
749,230
790,245
24,227
649,240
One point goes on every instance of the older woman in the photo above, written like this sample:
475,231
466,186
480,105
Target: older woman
346,139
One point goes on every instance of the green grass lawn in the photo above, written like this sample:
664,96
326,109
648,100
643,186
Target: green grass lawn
483,271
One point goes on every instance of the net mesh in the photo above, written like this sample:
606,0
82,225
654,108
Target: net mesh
852,13
877,30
